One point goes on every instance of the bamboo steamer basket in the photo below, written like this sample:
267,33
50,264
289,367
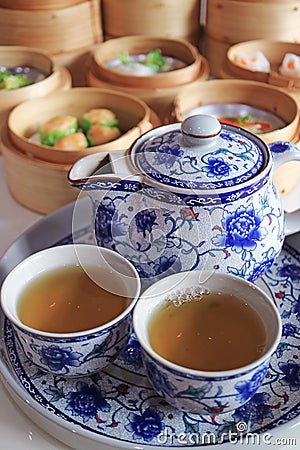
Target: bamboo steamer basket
75,61
135,118
37,185
255,94
274,51
251,93
134,45
56,30
57,78
158,90
232,21
166,18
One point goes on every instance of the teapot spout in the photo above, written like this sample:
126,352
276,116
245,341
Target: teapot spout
91,167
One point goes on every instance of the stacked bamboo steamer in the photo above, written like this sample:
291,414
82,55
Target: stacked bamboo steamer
67,29
37,174
157,90
55,78
229,22
166,18
274,51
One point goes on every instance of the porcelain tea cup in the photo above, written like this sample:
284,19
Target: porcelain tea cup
201,391
73,353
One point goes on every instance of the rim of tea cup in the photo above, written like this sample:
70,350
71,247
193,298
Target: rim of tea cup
24,272
152,297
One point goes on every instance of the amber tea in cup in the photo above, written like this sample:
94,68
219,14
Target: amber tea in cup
208,331
70,307
67,300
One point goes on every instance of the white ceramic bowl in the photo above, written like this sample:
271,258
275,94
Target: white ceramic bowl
78,353
205,392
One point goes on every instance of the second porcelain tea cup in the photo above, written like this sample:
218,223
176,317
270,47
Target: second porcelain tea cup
204,391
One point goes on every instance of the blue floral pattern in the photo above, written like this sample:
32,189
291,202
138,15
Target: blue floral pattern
161,234
167,155
243,229
58,358
86,401
147,425
145,221
246,389
291,271
216,168
291,371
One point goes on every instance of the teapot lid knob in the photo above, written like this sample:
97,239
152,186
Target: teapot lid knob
200,129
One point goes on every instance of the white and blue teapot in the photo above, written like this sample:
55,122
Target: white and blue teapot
190,195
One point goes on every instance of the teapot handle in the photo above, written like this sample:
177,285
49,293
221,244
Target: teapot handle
284,151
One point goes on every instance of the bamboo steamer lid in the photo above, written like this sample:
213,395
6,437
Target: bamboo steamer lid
56,30
251,93
166,18
232,21
135,118
38,185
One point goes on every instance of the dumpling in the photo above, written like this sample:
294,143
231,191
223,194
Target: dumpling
74,141
98,116
100,134
290,66
56,128
255,61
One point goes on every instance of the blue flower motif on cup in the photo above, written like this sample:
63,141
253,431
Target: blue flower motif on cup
145,220
243,229
216,168
167,155
246,389
291,271
145,426
291,371
57,358
86,401
159,380
256,410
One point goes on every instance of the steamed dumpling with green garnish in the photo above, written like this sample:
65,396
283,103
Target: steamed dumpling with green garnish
73,141
56,128
101,134
144,64
100,125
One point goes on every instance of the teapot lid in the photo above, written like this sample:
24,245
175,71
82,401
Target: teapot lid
200,153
